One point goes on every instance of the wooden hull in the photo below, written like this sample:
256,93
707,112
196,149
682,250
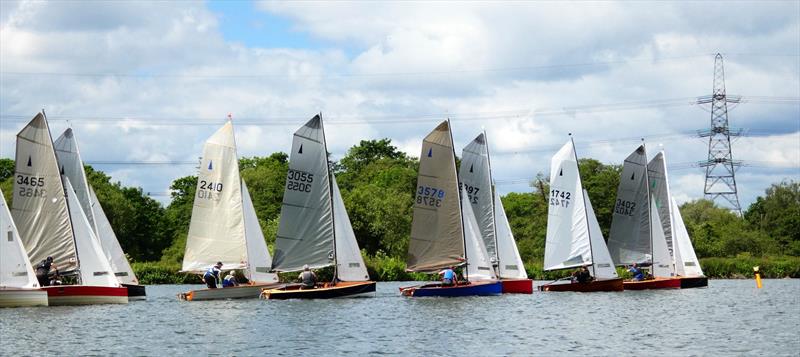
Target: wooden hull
236,292
85,295
478,288
325,291
596,285
135,292
688,282
517,286
18,297
657,283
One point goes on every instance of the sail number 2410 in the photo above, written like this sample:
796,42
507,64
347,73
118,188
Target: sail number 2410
560,198
430,196
209,190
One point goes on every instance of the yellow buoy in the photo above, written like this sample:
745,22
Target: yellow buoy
758,276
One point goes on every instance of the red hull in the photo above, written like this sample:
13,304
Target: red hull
597,285
86,295
517,286
657,283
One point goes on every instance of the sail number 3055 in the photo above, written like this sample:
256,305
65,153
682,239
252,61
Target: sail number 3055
430,196
31,186
560,198
299,180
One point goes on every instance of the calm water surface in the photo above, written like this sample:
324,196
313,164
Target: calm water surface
731,317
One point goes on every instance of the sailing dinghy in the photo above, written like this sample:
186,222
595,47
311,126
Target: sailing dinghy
71,164
224,227
18,284
574,238
673,262
444,231
51,222
314,228
476,179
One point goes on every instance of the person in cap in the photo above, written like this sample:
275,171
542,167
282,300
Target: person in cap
212,275
307,278
230,280
43,271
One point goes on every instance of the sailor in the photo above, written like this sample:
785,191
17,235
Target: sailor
582,275
448,276
43,271
636,272
212,275
230,280
307,278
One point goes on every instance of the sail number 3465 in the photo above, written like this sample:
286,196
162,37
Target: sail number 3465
31,186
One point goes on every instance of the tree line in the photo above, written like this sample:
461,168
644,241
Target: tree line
377,182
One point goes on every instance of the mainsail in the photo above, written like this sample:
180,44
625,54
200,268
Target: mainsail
108,240
629,239
662,262
349,263
479,265
306,232
659,191
437,237
686,263
476,180
15,268
511,266
39,206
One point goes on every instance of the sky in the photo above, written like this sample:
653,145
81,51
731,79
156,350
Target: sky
144,84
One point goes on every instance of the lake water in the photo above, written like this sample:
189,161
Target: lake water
730,317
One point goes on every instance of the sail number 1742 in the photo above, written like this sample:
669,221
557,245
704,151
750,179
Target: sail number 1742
560,198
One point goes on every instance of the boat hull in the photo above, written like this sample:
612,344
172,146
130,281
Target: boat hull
340,289
136,292
657,283
478,288
235,292
694,282
85,295
18,297
517,286
595,285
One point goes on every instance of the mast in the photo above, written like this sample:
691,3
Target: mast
330,194
671,243
585,213
650,224
69,213
491,191
244,226
460,204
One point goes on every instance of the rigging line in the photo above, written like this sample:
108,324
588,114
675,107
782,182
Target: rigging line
346,75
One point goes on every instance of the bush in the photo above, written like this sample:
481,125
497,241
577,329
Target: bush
150,273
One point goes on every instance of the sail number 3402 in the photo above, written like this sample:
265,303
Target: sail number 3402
430,196
624,207
560,198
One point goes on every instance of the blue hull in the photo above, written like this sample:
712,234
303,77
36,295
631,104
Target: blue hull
471,289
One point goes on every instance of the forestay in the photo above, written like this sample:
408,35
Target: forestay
476,180
110,244
511,266
39,205
15,268
602,265
258,259
479,265
216,230
95,270
567,243
659,191
305,231
662,262
349,263
437,237
629,238
686,263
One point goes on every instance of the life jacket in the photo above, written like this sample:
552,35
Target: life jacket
229,281
212,272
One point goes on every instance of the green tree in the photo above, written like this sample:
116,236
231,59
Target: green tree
177,217
6,168
601,181
778,215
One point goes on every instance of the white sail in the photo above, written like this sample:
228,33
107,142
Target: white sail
15,268
629,240
511,266
216,230
349,263
94,267
686,263
479,265
110,244
258,259
71,165
659,191
602,265
476,179
567,243
662,262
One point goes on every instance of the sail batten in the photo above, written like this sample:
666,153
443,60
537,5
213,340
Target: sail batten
437,236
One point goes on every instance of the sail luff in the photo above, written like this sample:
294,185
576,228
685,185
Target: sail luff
331,181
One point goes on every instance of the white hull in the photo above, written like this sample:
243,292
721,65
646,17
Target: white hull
22,297
237,292
87,300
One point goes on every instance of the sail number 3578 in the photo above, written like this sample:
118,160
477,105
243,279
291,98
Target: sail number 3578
560,198
430,196
299,180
